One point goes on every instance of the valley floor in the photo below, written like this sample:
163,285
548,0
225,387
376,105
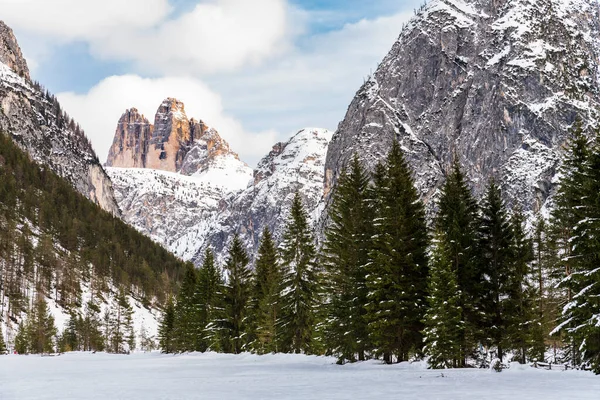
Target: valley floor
218,376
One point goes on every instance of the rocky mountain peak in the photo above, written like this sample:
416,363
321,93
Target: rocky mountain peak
10,52
174,143
37,123
498,83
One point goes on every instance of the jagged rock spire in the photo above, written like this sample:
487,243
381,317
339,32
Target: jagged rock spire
10,52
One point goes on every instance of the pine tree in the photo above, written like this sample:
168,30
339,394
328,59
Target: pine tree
346,254
398,270
165,330
236,297
3,349
22,338
187,329
457,222
496,238
519,305
444,324
581,316
266,295
209,289
92,337
122,335
301,291
40,328
574,226
544,308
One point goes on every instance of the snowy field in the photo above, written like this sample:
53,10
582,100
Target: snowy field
217,376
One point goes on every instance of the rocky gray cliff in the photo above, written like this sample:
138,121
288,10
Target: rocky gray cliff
496,82
36,122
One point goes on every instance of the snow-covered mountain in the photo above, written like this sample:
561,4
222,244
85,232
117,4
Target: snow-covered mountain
214,195
36,122
496,82
295,165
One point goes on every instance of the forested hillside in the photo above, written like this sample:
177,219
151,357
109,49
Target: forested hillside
54,241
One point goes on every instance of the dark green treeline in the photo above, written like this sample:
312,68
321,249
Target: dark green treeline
474,284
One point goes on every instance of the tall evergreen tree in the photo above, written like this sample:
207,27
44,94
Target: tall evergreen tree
236,297
496,238
444,324
569,225
346,254
545,307
122,335
165,330
39,328
210,282
397,273
266,295
301,290
581,316
187,329
519,305
457,222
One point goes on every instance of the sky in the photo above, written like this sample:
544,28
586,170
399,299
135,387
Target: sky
256,70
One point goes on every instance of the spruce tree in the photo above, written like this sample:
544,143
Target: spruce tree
301,291
208,291
22,338
581,316
40,329
457,223
120,320
573,226
496,262
165,330
519,304
398,270
444,324
187,329
544,306
266,295
346,254
236,297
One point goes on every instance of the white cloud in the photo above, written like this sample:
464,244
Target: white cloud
69,20
222,35
314,84
99,110
216,35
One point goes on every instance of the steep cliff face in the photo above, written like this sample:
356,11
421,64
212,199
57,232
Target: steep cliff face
174,143
130,145
10,52
498,83
38,125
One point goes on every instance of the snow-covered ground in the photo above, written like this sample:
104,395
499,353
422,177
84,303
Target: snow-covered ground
219,376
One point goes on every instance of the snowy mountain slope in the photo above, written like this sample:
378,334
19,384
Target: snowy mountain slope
164,205
498,83
38,125
197,170
296,165
144,319
190,213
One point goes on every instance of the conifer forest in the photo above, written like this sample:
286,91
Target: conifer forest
471,287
